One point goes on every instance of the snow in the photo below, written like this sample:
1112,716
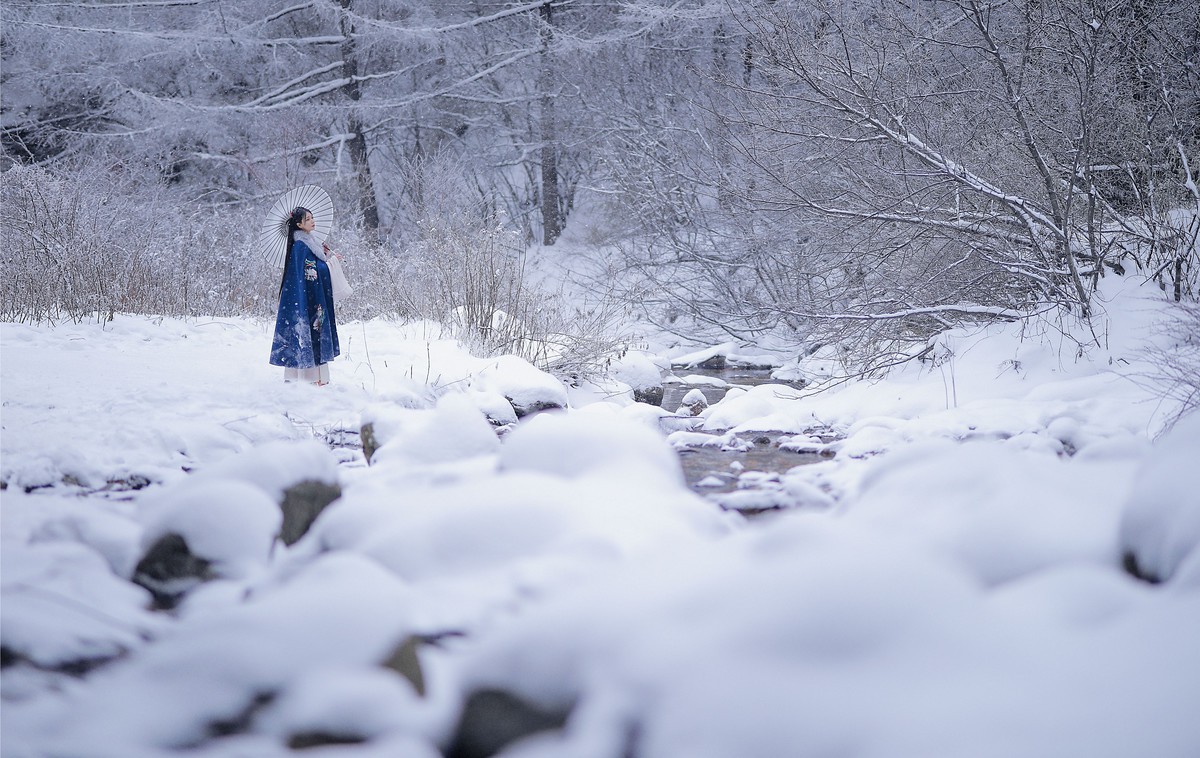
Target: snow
638,370
697,357
1160,524
791,643
947,577
213,665
576,446
1001,512
275,467
455,428
697,380
62,604
230,524
728,351
693,397
362,703
521,382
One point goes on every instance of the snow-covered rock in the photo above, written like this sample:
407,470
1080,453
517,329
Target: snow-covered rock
345,705
729,442
577,445
528,388
106,527
814,637
709,358
300,476
1160,524
63,607
641,374
455,429
201,530
582,393
274,467
495,407
693,402
218,671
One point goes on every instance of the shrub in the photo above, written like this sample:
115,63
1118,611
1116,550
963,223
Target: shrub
93,240
1176,359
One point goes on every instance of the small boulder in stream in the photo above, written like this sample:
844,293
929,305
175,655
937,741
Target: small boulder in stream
527,388
694,402
642,374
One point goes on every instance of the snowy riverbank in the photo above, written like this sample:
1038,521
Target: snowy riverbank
949,580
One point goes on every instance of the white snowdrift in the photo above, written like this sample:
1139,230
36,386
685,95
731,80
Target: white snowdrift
1160,525
231,524
818,637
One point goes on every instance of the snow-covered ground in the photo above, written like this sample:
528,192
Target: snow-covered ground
951,579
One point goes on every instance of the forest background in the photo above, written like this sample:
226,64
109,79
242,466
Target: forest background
847,178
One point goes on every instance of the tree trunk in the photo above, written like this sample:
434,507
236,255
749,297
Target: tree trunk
359,157
551,215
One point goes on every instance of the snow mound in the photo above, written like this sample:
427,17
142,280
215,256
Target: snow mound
740,407
274,467
1160,525
567,494
637,370
1000,512
455,429
63,605
230,524
495,406
342,612
817,637
528,388
575,445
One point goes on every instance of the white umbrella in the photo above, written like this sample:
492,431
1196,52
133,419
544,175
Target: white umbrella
272,234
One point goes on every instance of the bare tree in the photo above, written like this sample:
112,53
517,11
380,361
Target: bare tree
839,174
359,156
866,176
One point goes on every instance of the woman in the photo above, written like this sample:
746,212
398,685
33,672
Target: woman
306,336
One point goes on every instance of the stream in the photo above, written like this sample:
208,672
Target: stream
738,472
744,476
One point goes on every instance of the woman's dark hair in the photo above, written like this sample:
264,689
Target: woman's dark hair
293,225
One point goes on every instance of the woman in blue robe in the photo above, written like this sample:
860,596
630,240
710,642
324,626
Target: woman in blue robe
306,336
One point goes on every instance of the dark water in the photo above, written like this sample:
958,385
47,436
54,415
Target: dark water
733,377
764,457
752,473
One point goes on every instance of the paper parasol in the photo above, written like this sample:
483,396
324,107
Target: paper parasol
272,234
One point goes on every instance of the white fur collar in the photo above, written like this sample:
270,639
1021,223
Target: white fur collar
311,241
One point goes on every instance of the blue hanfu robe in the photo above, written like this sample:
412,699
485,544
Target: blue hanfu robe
305,327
